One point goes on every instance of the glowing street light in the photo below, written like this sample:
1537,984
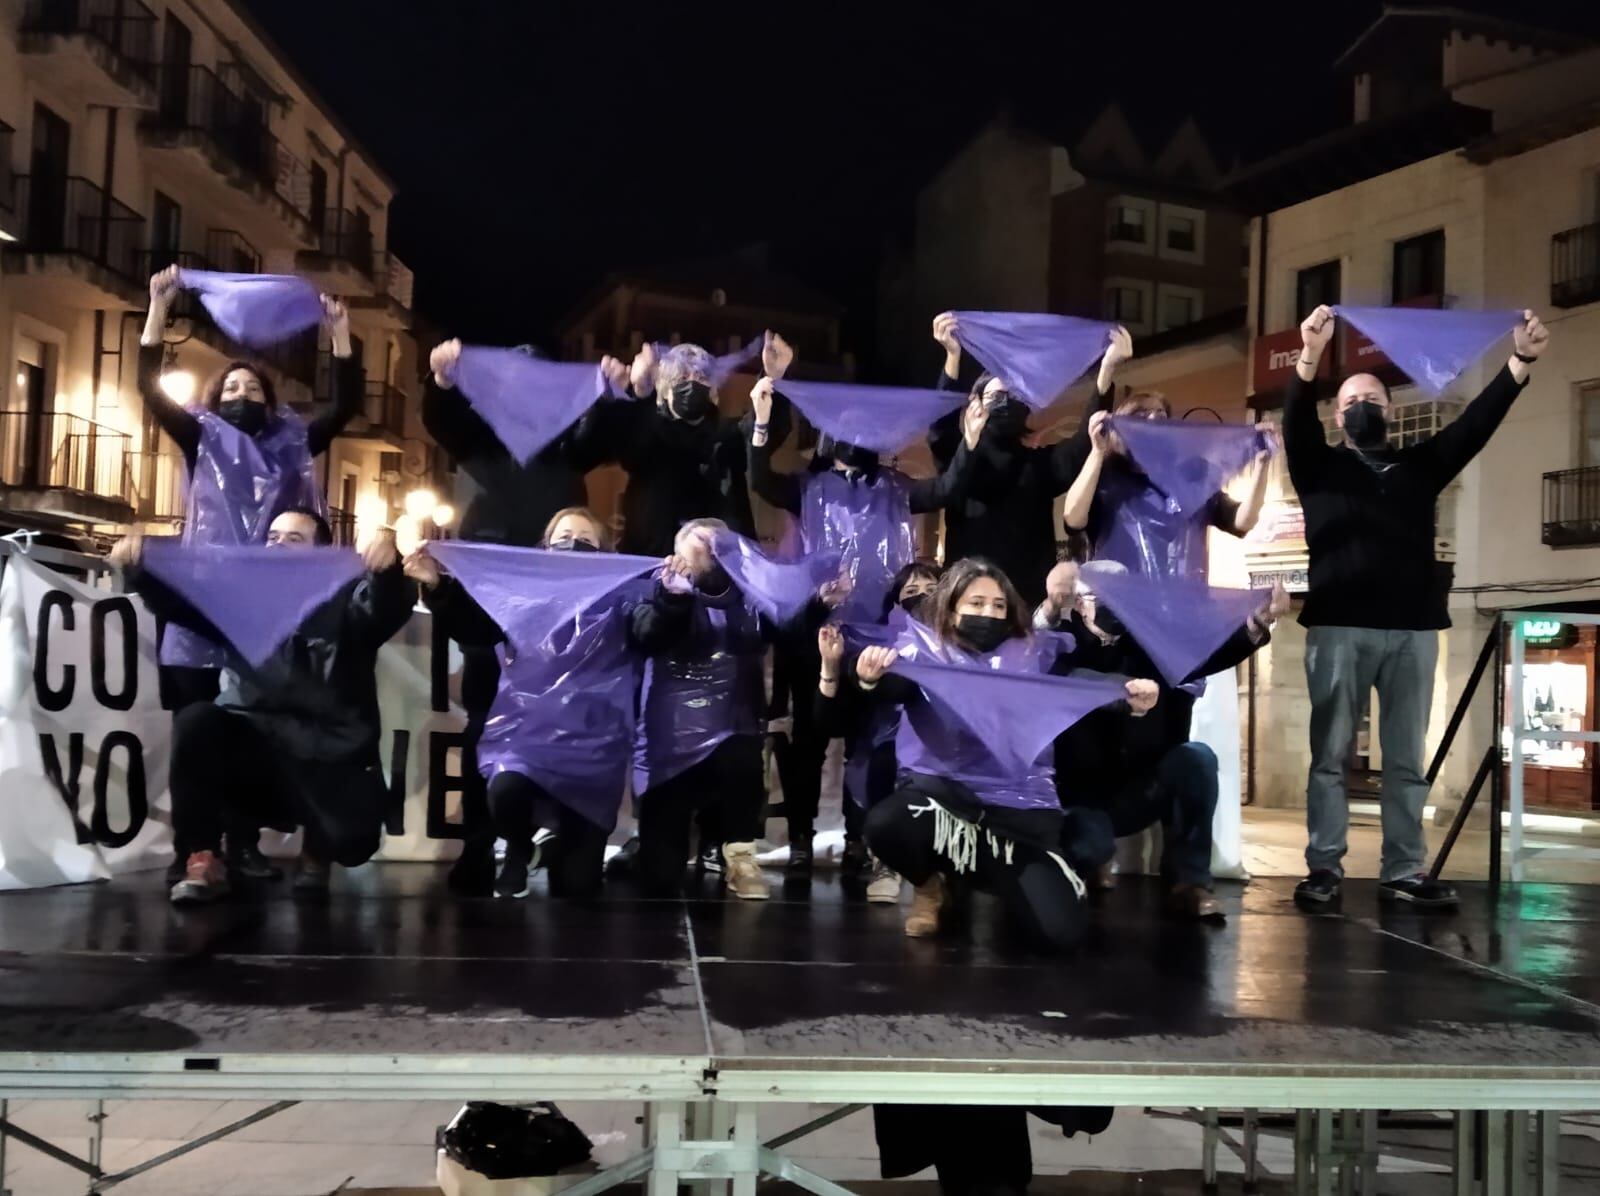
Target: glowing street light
179,386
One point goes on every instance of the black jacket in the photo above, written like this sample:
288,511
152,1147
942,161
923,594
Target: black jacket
316,697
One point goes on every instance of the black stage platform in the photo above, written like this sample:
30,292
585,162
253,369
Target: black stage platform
393,989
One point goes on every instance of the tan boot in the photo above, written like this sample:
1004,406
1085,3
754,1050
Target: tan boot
927,904
743,878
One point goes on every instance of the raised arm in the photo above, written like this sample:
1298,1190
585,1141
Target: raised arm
172,418
1448,453
347,380
1080,495
782,490
383,599
947,487
944,438
1303,440
1067,458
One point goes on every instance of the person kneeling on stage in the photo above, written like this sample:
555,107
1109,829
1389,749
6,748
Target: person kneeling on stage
700,726
958,809
293,742
1144,771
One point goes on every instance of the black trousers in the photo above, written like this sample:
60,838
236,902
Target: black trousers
480,680
728,781
1180,793
1033,886
226,773
973,1148
575,858
800,764
182,686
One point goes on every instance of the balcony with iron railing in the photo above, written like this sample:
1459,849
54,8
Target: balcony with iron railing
385,408
344,260
156,486
199,111
343,526
84,243
104,51
392,301
1575,266
229,251
65,466
8,183
1572,507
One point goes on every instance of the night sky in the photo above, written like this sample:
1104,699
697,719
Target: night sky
539,144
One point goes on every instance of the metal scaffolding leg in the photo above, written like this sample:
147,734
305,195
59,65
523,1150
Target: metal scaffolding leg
1210,1132
1304,1146
1464,1153
1549,1123
1252,1150
5,1116
1369,1152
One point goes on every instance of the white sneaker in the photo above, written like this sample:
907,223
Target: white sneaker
744,878
884,887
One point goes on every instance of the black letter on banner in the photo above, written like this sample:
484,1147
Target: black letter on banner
66,783
138,805
394,818
442,782
52,699
439,669
129,619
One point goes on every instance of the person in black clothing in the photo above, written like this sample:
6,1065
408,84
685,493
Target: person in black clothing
1141,771
1007,513
242,396
1377,597
514,503
293,741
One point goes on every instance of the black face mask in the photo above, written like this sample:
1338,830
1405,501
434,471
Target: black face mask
911,604
1008,420
574,546
690,400
245,414
851,457
1366,425
714,580
983,632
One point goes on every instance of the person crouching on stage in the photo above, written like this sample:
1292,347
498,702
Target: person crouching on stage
1143,771
1023,850
700,727
293,742
557,736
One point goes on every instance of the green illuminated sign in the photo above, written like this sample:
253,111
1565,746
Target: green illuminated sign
1543,632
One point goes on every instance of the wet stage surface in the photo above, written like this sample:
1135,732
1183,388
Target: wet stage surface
392,964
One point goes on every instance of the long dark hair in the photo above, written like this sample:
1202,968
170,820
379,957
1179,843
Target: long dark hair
929,569
213,391
940,605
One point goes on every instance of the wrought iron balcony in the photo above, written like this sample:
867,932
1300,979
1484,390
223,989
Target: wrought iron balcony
227,250
1575,266
60,460
105,49
71,218
1572,507
8,180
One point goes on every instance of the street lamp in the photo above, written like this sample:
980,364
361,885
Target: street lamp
420,504
179,386
444,515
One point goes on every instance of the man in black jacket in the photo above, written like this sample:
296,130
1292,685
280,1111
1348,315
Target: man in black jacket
1377,597
1144,770
294,741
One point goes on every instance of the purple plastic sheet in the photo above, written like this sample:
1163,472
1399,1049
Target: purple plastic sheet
1178,622
868,524
1429,345
527,402
1035,354
724,367
778,589
881,418
239,485
257,310
1144,530
534,592
257,596
705,690
563,715
1189,462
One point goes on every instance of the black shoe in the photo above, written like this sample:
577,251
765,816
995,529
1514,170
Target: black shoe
1420,891
1321,887
312,879
519,862
856,860
800,862
622,864
710,860
472,875
245,860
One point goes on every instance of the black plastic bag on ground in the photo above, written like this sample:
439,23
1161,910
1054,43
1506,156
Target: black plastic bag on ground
514,1141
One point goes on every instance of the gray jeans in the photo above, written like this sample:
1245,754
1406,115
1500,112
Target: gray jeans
1343,665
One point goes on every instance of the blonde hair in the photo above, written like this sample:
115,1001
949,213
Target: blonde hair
602,533
1141,400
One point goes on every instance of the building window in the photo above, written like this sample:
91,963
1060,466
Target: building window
1183,233
1177,307
1589,417
1419,268
1130,301
1130,223
1314,286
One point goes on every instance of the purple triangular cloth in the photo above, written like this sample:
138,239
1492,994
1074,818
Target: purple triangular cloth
1014,715
1035,354
880,418
1189,462
1178,622
257,310
531,592
526,401
254,595
724,367
778,589
1431,346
